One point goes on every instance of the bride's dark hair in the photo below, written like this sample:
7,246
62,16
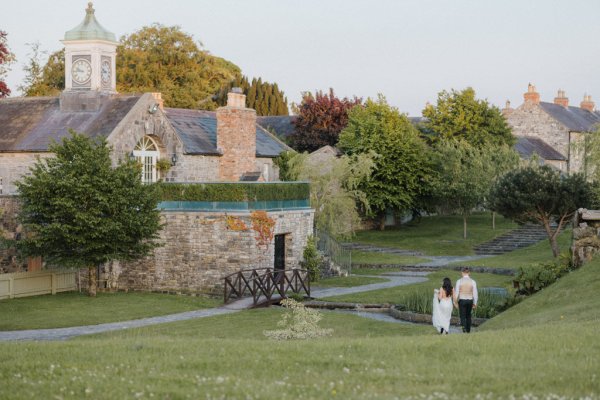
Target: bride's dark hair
447,286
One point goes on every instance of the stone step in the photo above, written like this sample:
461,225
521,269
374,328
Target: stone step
521,237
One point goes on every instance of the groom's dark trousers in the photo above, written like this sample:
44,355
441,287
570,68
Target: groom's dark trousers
465,307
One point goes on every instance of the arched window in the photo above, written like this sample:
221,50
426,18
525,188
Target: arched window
146,153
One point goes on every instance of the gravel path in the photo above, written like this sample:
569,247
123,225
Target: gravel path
67,333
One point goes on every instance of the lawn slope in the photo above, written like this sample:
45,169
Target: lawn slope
572,299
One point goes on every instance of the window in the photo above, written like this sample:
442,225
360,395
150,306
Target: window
146,153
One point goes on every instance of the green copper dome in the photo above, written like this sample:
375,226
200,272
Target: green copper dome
90,29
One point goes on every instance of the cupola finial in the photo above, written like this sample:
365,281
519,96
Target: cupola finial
90,8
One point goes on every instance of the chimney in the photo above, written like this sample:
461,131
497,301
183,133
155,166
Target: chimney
236,137
561,99
587,103
507,109
531,96
159,100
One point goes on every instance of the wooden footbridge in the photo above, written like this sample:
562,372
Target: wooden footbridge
266,285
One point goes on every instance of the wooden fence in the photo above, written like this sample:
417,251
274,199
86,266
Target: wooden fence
23,284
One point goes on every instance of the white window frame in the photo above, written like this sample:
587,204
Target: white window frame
146,153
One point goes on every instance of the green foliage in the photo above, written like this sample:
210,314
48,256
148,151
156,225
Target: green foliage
298,322
466,173
81,212
335,189
541,195
533,278
155,58
460,115
51,80
163,165
264,97
402,167
289,163
233,191
312,259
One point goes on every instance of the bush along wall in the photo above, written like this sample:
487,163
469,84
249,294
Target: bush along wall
234,191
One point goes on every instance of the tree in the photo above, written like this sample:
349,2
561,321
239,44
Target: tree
541,195
264,97
334,189
460,115
402,169
81,212
466,174
321,118
156,58
6,59
52,79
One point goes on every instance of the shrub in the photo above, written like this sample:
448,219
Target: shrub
298,322
533,278
312,259
233,191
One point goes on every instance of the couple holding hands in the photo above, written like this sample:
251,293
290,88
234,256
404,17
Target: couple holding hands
463,296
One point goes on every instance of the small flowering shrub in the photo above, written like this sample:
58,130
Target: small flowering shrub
298,322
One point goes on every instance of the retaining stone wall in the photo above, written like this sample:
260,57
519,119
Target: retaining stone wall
9,229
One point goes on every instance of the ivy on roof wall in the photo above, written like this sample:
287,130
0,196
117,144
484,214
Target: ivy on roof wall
234,191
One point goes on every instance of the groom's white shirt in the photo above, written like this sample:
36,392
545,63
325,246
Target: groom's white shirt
464,295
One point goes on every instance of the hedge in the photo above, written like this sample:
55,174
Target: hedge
234,191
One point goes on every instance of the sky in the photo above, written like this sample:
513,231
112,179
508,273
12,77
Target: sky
407,50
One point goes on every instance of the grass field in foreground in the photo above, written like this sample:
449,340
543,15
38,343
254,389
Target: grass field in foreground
75,309
365,257
434,280
439,235
537,253
192,361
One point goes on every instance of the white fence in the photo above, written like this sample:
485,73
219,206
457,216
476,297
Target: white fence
23,284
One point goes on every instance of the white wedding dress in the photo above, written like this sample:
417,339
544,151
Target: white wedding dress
442,312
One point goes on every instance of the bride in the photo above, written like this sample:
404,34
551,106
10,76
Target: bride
442,307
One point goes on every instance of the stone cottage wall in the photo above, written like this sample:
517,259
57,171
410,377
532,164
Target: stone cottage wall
15,165
586,236
199,249
531,120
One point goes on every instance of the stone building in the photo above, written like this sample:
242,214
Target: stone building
554,131
199,147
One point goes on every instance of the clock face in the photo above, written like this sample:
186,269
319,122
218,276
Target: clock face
105,72
81,71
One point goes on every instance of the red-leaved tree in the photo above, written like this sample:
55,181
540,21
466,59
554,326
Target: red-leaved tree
6,58
320,120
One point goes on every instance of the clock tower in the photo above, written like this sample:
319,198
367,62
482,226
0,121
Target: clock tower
90,52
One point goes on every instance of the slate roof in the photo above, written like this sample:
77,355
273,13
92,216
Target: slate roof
282,125
574,118
198,132
527,146
31,124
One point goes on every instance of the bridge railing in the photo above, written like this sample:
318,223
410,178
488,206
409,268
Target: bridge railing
265,282
341,256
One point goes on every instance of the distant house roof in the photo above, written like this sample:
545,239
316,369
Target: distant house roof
198,131
418,120
31,124
281,125
574,118
527,146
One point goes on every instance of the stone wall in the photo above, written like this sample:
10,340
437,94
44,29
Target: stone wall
236,138
13,166
9,229
199,250
586,236
531,120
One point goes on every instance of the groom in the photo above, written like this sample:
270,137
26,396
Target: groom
465,298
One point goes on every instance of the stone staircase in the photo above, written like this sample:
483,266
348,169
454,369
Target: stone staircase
524,236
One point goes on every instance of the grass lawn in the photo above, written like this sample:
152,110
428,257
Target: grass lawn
395,294
74,309
439,235
347,281
539,252
366,257
573,298
227,357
